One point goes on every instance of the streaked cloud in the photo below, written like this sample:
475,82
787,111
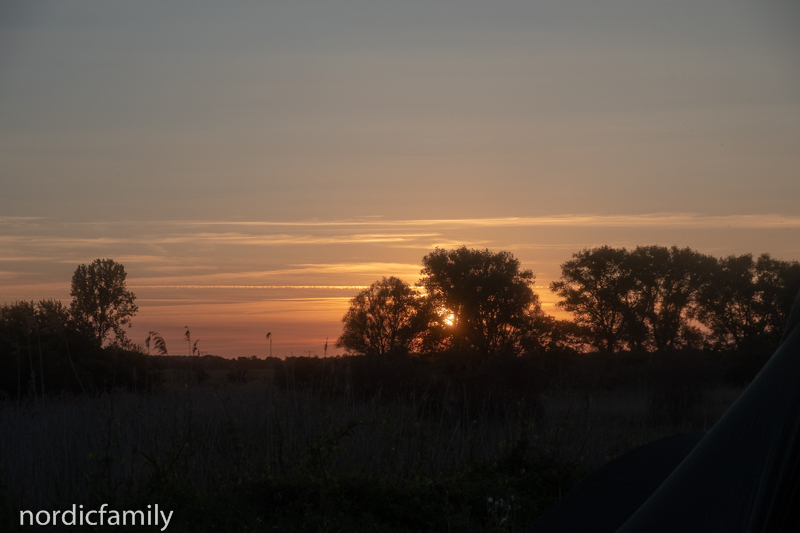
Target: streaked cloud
768,220
229,276
449,243
12,220
638,220
226,238
11,259
360,267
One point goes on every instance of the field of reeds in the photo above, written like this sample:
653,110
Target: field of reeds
347,444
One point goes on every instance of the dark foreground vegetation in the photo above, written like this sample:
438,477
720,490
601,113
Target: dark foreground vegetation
463,408
352,443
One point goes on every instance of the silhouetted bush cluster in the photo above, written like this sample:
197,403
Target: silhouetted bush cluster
43,352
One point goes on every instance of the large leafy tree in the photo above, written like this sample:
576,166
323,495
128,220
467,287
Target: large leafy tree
778,283
729,304
100,299
483,300
596,287
653,297
33,335
748,301
388,317
666,284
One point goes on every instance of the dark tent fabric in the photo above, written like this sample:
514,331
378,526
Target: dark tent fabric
604,500
742,476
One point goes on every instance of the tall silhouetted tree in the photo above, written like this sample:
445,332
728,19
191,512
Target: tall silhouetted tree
747,300
483,300
666,284
387,317
100,299
640,300
34,347
728,305
778,284
595,286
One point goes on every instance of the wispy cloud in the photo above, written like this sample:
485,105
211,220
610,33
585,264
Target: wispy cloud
233,238
59,241
282,278
441,243
18,258
12,220
647,219
359,267
178,268
224,238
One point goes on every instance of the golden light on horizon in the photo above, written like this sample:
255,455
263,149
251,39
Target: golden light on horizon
516,128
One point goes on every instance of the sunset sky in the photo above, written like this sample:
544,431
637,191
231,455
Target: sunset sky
254,164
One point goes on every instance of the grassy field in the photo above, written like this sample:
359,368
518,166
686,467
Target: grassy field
275,453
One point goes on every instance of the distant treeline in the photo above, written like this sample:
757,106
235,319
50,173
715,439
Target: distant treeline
650,299
659,298
477,306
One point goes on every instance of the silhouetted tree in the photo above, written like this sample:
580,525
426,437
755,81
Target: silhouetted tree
666,284
596,286
387,317
46,318
641,300
34,347
53,316
14,324
748,301
483,300
15,338
728,305
100,299
778,284
548,334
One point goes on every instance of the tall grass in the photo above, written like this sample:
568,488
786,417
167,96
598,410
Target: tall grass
71,449
595,427
170,446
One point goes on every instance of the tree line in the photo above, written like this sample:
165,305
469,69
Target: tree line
48,347
649,299
468,301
